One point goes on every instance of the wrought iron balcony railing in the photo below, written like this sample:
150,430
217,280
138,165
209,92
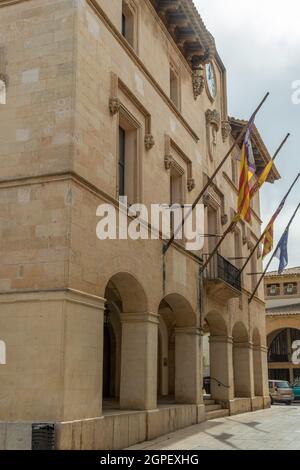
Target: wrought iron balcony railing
221,269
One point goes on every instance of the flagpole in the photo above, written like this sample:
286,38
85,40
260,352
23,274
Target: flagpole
210,180
234,222
273,255
264,232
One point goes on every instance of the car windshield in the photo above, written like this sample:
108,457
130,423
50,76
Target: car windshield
282,385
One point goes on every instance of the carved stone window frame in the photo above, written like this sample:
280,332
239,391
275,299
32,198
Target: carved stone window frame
132,7
115,104
169,160
215,199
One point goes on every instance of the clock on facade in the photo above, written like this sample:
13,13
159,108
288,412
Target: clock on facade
211,80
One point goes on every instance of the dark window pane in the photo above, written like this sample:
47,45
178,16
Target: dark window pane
121,162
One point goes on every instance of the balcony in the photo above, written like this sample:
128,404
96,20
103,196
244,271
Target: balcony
222,278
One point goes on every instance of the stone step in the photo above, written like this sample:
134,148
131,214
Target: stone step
209,402
213,407
217,414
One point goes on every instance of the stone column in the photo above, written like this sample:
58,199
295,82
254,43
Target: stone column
221,367
243,370
188,366
259,356
138,387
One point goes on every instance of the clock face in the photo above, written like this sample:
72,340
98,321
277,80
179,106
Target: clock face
211,80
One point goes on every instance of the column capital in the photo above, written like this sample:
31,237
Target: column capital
221,339
140,318
263,349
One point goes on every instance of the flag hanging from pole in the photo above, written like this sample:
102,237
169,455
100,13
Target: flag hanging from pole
261,179
247,172
269,232
282,252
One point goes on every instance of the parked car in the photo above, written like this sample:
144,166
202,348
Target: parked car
281,392
296,389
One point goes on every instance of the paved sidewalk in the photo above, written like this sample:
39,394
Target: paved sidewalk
275,428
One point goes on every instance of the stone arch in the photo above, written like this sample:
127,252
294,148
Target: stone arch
182,364
125,310
129,291
242,361
217,356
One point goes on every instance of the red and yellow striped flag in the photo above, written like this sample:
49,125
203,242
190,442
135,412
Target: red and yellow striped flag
269,232
262,179
244,209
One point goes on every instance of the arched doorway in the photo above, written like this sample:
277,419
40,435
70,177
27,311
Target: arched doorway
242,362
217,357
280,353
179,352
129,346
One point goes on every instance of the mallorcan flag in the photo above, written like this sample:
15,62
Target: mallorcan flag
261,179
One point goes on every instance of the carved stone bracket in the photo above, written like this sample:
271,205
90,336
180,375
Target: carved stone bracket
191,184
149,141
226,130
198,81
114,105
213,118
168,162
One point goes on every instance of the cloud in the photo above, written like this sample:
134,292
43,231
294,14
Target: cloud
259,43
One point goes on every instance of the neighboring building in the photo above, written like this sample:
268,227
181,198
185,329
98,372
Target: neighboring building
283,322
104,338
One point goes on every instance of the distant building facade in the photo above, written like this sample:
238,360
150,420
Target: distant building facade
283,323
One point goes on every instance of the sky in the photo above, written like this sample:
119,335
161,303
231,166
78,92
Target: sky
259,43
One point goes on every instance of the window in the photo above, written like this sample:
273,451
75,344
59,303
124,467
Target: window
176,196
174,87
128,23
2,91
127,165
234,171
290,288
273,289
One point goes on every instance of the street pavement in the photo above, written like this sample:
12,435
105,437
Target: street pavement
271,429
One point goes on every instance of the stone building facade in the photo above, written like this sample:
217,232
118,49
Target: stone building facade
104,338
283,323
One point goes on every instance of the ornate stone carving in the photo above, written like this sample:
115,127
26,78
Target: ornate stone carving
168,162
114,105
226,130
213,118
224,219
198,81
206,200
213,122
191,184
149,141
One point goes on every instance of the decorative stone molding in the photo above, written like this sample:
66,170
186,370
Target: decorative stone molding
191,184
226,130
149,141
198,81
213,122
213,118
168,162
114,105
224,219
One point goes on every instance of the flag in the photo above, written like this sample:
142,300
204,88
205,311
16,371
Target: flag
247,170
282,252
269,232
261,179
